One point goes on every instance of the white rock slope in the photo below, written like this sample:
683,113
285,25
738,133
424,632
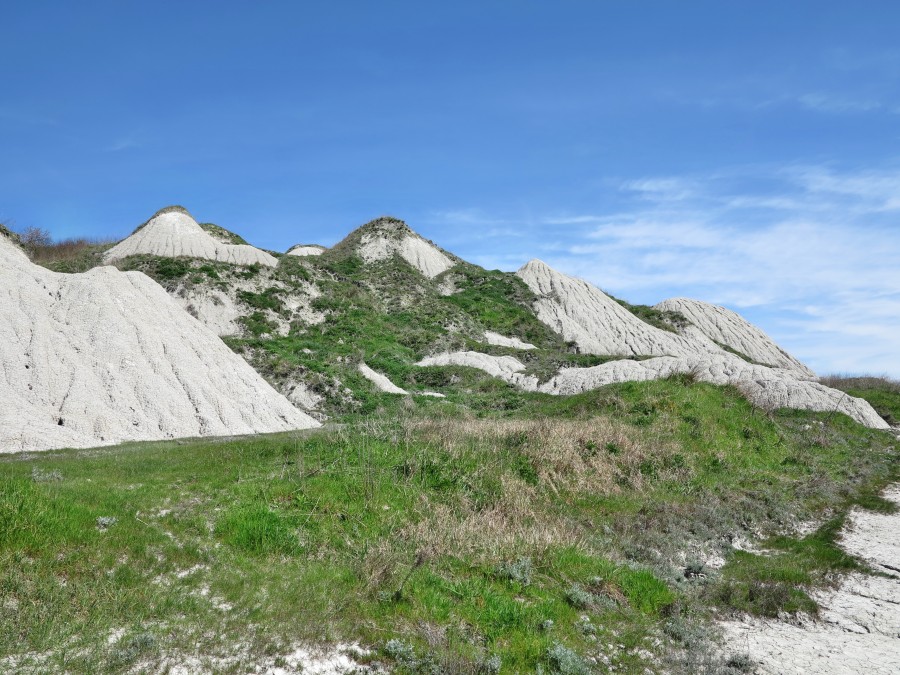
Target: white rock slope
105,357
174,233
584,314
731,329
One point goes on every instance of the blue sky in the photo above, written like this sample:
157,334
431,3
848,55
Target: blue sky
745,153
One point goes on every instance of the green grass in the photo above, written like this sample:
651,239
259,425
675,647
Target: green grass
415,525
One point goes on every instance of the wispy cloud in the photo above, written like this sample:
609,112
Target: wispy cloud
123,144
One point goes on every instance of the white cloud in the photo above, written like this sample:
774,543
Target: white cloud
811,253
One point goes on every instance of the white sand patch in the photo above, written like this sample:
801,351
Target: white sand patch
105,357
381,382
731,329
342,659
306,249
303,396
174,234
502,341
413,249
859,629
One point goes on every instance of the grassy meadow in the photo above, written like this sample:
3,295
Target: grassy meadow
491,532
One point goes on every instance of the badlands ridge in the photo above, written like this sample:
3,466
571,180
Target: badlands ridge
106,356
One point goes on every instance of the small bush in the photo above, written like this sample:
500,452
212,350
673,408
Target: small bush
565,661
519,571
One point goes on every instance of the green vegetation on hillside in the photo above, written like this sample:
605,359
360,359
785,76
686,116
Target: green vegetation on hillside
882,393
447,535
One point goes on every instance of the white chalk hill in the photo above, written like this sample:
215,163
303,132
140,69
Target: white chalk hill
104,357
731,329
173,233
386,237
582,313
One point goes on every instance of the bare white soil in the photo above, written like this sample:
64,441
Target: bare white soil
502,341
381,382
729,328
425,257
306,249
105,357
507,368
174,234
859,627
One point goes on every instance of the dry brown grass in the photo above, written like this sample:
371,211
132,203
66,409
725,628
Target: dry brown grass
65,250
571,457
597,455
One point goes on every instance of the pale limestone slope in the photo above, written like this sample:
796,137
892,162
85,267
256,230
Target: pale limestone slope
105,357
173,234
584,314
729,328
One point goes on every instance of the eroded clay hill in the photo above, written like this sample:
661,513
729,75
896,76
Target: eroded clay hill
317,323
105,357
172,233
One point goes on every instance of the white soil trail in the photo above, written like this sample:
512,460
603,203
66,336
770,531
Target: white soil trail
306,249
425,257
173,234
105,357
381,382
502,341
731,329
859,629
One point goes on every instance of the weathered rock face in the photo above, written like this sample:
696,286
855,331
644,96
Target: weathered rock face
584,314
387,237
174,233
859,622
731,329
105,357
